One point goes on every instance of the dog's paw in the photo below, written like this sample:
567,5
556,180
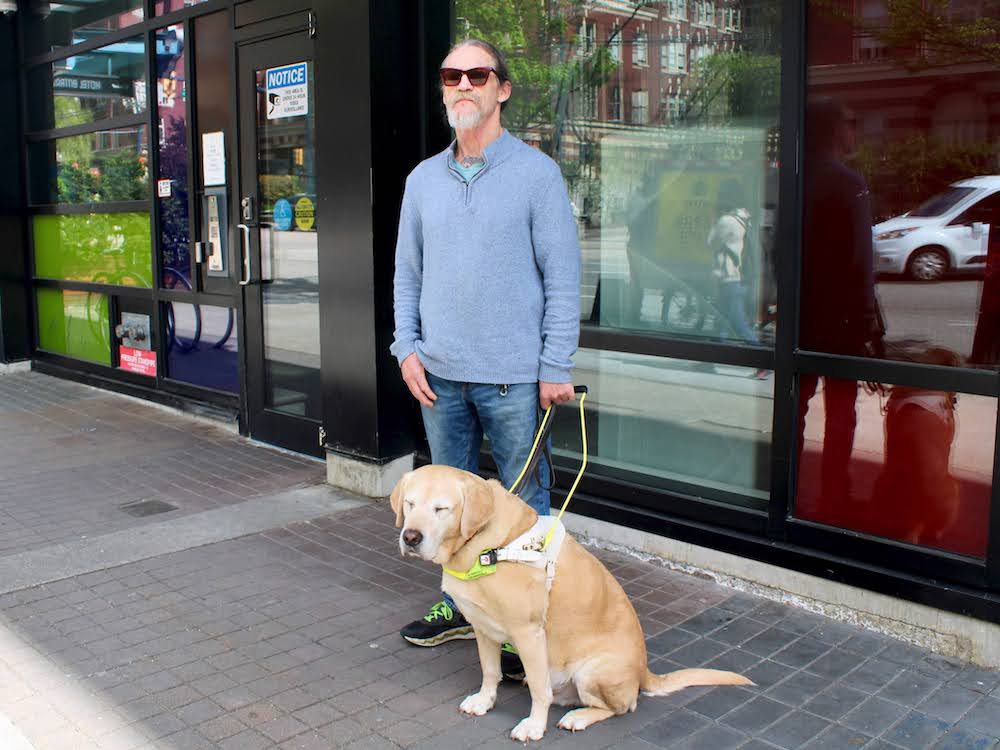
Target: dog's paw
574,720
528,729
477,704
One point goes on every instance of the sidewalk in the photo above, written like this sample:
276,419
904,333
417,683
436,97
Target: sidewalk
261,609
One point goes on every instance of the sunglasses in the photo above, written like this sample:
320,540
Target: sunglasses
477,76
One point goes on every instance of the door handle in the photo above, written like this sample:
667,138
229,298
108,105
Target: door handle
246,253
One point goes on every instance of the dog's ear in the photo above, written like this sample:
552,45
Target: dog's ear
396,499
477,508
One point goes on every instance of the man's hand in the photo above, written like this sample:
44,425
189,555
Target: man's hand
416,380
554,393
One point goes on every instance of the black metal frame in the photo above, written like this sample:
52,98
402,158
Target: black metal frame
166,389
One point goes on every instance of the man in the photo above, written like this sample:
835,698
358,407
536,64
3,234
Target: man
487,291
840,313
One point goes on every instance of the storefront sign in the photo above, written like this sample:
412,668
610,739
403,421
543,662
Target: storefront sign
282,215
305,214
137,360
213,158
287,91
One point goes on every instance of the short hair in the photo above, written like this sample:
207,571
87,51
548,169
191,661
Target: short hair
499,59
824,117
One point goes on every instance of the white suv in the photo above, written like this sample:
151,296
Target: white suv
948,232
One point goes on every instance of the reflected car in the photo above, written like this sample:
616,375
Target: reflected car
947,233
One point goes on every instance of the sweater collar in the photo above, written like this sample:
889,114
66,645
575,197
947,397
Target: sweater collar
495,151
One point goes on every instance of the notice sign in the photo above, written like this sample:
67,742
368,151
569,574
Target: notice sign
137,360
287,91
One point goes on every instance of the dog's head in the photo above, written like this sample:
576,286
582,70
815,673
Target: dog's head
439,509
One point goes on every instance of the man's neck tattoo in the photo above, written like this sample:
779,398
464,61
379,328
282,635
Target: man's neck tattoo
471,161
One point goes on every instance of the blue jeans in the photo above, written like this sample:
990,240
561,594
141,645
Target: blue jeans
732,305
507,415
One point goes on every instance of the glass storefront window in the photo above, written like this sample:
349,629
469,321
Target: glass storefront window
74,324
901,246
674,424
99,167
172,103
52,25
99,248
202,345
667,136
92,86
909,464
162,7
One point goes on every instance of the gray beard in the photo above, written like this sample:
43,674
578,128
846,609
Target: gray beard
464,121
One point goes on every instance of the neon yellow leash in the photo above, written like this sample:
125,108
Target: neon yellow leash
486,563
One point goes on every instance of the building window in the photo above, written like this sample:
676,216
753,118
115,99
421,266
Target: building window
588,38
640,107
615,43
676,54
678,9
615,103
640,56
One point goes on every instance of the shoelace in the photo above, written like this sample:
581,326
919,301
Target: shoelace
441,609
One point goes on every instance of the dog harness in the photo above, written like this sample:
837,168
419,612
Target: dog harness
538,547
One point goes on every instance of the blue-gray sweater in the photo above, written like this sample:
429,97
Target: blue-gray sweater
487,286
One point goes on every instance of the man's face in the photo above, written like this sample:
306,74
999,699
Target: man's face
469,106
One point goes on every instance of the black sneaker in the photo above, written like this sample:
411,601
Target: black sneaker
438,626
510,663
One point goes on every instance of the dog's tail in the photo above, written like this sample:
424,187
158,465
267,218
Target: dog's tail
664,684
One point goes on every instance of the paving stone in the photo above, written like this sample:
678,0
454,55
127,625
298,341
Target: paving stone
714,737
874,716
910,687
768,642
699,651
873,675
978,679
719,702
917,730
679,725
668,641
795,729
838,737
984,717
798,688
836,701
950,702
755,715
959,739
801,652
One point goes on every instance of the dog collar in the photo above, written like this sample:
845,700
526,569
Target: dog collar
486,564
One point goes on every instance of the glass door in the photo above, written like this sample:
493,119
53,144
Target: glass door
279,235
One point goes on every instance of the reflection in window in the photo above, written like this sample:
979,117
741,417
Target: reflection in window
162,7
74,324
909,464
52,25
172,101
100,167
898,118
99,248
97,85
674,423
201,343
674,181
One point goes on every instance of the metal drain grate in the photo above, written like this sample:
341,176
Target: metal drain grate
147,508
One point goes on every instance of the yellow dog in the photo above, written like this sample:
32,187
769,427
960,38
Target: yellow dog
577,633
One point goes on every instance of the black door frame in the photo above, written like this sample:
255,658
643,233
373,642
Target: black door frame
300,434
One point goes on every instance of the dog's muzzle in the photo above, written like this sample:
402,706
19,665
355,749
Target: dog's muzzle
411,539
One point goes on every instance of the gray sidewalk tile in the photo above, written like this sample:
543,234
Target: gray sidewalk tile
916,730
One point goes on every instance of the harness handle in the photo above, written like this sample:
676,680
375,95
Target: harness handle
541,440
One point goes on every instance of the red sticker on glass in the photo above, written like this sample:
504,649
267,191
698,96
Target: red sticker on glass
137,360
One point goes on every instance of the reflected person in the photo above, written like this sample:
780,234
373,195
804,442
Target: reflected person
839,308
